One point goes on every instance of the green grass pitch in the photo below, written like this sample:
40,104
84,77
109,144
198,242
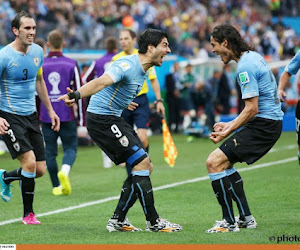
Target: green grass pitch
272,190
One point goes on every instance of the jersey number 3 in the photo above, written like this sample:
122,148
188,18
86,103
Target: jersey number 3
25,71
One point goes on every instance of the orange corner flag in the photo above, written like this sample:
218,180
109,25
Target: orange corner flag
170,151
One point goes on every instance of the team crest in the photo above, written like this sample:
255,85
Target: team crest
16,146
124,141
36,61
244,78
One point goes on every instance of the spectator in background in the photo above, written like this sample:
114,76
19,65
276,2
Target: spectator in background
86,24
84,67
187,108
173,98
42,43
204,51
59,73
212,88
96,70
224,91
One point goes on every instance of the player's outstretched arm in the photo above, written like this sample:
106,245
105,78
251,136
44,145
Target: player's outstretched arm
86,90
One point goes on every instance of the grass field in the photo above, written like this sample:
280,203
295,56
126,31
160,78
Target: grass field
271,184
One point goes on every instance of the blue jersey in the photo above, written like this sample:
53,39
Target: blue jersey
256,79
294,65
128,77
18,73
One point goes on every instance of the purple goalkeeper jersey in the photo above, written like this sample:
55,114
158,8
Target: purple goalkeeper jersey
60,72
98,67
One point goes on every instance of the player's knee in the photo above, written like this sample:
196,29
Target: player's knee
151,167
40,170
29,167
211,164
144,141
145,164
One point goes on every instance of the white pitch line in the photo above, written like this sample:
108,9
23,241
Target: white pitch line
288,147
155,189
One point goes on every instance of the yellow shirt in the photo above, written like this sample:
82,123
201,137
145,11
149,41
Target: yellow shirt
40,72
151,71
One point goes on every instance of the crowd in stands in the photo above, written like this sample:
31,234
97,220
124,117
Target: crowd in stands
86,23
187,97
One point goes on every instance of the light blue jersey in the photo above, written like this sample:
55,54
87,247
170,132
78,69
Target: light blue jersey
256,79
294,65
18,79
128,76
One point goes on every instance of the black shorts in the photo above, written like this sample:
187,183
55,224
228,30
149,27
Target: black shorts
24,134
253,141
140,116
116,138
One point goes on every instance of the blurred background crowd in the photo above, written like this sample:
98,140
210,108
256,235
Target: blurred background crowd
270,26
86,23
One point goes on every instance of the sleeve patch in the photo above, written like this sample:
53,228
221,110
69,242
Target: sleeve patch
125,66
244,78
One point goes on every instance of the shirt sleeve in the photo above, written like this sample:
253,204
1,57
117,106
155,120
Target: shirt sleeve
247,80
294,64
118,70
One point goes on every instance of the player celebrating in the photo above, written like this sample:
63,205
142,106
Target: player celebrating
262,121
140,116
21,75
112,93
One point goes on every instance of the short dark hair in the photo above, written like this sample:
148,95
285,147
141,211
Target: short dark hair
15,23
131,32
111,44
150,37
236,43
56,39
41,42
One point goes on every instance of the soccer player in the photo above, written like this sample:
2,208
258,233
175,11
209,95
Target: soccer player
96,70
291,69
261,120
111,93
139,116
21,75
59,73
